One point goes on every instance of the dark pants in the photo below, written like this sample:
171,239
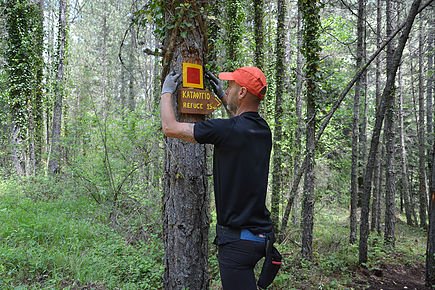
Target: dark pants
236,264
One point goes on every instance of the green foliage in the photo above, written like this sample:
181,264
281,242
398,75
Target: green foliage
54,236
124,148
23,57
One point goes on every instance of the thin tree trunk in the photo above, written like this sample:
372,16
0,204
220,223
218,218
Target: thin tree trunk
387,101
377,189
430,252
277,136
377,170
430,88
298,172
298,108
311,49
131,62
259,33
55,154
403,160
390,189
355,125
421,135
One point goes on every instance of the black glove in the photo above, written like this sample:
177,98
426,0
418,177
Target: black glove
270,268
217,85
171,83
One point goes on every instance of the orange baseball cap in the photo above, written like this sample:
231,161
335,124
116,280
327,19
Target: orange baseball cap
250,77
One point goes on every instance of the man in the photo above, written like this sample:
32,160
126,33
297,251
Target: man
242,146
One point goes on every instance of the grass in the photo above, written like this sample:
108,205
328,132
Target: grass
55,236
58,242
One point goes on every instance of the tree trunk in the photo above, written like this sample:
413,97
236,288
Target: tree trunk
375,221
298,108
390,189
298,169
355,125
377,194
311,50
277,134
234,21
421,136
186,199
131,67
55,151
259,33
38,102
403,161
387,101
17,156
429,88
213,33
430,252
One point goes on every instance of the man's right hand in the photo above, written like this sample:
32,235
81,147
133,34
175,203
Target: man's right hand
217,85
171,83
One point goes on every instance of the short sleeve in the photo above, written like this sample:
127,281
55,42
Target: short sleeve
212,131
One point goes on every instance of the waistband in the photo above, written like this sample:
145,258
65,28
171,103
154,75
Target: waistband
249,236
227,235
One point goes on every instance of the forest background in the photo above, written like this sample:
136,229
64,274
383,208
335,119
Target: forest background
84,165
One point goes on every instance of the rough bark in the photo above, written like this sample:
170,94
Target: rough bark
311,51
277,134
297,171
186,199
131,64
355,125
259,33
375,221
403,161
55,150
38,102
233,40
387,101
421,136
390,189
430,88
430,252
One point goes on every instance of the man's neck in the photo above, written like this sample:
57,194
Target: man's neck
244,109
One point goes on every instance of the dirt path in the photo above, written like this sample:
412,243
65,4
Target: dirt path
392,277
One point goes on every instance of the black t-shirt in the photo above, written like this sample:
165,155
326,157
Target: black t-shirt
242,146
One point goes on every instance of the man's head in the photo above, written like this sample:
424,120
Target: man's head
246,88
250,77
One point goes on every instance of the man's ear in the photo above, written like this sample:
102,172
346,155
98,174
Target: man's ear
243,92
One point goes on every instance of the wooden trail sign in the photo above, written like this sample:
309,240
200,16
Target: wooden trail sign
192,98
199,102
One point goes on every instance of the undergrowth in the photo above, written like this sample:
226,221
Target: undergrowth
53,235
